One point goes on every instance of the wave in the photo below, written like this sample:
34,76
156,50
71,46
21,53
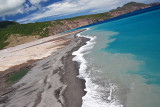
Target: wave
94,96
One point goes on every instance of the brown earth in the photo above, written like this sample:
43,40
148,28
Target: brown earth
71,24
66,24
17,39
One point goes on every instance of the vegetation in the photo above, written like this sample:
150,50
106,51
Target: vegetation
39,28
42,28
92,16
128,5
17,75
4,24
8,28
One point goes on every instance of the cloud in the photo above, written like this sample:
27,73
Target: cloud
10,7
56,9
37,1
69,7
13,7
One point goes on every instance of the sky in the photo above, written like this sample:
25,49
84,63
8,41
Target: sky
30,11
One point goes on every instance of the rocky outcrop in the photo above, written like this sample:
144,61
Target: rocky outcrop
68,24
130,7
43,29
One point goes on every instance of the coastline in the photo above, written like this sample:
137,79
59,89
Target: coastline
75,86
26,55
51,81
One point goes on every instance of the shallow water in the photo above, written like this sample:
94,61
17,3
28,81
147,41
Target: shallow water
121,63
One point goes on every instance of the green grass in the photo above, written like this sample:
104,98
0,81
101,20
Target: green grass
17,75
25,29
41,28
92,16
6,29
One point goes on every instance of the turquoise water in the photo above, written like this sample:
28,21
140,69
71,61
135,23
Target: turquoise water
139,35
125,61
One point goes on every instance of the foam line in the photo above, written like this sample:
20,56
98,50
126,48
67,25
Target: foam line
92,97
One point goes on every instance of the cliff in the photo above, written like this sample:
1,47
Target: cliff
76,22
43,29
130,7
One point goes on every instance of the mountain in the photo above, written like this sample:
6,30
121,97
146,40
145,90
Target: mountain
12,33
130,7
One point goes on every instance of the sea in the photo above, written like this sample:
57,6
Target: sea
121,61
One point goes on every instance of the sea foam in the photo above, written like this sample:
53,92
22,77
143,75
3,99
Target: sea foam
93,96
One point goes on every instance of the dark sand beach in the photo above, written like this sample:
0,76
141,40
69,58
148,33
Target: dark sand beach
75,87
51,82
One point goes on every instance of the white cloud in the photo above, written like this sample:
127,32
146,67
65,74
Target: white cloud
10,7
28,8
68,7
62,8
36,3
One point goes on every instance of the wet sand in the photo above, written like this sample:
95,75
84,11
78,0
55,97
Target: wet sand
75,87
52,82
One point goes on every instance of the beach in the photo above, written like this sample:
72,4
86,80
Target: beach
51,82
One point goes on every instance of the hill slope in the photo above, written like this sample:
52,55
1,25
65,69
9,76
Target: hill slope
43,29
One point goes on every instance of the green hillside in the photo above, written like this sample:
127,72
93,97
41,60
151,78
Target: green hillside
92,16
39,28
8,28
42,28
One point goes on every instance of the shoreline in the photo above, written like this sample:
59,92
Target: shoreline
5,88
57,83
75,86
